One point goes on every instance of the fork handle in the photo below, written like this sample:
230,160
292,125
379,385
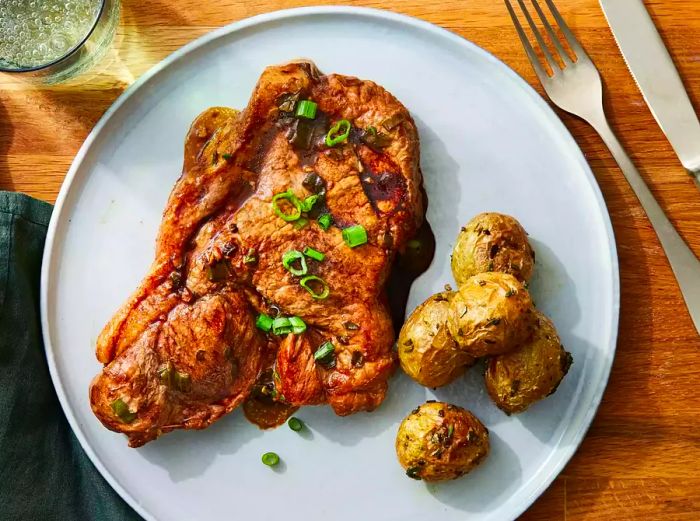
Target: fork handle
684,263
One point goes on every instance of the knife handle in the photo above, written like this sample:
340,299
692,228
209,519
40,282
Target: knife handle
684,263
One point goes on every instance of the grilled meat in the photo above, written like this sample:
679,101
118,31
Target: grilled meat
184,349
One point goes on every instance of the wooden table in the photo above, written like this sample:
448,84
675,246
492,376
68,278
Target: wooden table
642,455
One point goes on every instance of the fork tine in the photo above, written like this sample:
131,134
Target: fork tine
538,36
552,35
532,56
570,38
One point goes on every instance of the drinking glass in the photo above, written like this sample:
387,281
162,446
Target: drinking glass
50,41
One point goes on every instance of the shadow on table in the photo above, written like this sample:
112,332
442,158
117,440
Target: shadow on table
6,132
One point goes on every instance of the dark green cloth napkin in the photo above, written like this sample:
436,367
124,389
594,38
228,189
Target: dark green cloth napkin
44,474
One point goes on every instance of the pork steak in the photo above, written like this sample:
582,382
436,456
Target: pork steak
184,349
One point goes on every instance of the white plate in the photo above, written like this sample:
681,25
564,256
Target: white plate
488,143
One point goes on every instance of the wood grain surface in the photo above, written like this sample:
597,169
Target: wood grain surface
641,457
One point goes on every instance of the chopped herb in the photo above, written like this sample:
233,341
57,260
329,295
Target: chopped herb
121,410
291,199
301,223
338,133
324,352
281,326
250,257
298,325
324,221
270,459
182,381
290,257
314,254
295,424
227,157
306,284
355,236
306,109
264,322
308,203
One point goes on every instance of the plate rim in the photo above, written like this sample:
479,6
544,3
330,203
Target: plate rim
563,454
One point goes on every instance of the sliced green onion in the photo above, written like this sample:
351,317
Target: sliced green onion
306,109
298,325
314,254
121,410
313,278
325,221
301,223
227,157
281,326
270,459
165,374
295,424
325,350
287,196
338,133
264,322
291,257
308,203
182,381
250,257
355,235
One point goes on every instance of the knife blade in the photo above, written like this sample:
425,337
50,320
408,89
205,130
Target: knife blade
652,68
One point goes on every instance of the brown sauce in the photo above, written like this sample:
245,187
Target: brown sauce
267,413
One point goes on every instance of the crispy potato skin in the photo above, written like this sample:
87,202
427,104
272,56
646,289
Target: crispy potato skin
439,441
491,314
518,379
427,351
492,242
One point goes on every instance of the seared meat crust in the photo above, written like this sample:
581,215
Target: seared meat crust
194,313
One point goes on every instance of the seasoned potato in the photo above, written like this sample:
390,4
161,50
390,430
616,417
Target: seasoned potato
492,242
439,441
427,351
490,314
518,379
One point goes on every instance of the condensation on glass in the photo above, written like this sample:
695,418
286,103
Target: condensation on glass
53,40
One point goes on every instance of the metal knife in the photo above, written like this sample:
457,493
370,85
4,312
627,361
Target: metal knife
652,68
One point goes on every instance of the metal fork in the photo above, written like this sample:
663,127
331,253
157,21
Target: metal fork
576,87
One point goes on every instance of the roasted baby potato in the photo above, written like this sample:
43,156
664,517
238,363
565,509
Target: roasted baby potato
439,441
427,351
492,242
518,379
490,314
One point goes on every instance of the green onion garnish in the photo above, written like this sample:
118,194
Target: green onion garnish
355,235
338,133
182,381
287,196
291,257
295,424
306,109
264,322
250,257
298,325
324,351
308,203
313,278
121,410
324,221
281,326
227,157
314,254
270,459
301,223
